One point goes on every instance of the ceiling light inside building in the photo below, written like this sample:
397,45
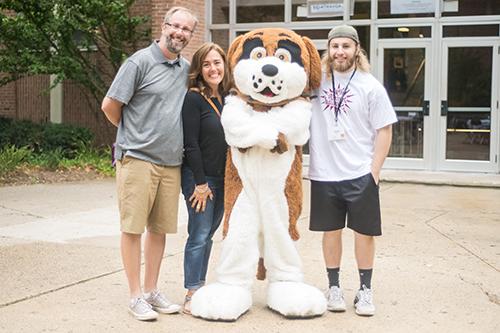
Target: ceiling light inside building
404,29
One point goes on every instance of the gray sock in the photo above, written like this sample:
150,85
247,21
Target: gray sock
333,276
365,278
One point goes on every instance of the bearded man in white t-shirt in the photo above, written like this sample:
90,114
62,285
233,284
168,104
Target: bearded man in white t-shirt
351,132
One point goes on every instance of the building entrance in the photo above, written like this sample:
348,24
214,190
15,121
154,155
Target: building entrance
446,100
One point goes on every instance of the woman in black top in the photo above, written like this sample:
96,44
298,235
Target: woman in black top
204,160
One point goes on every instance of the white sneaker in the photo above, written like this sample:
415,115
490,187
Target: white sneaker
141,310
335,299
363,302
160,303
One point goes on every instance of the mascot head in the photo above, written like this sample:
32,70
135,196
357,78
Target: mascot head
274,65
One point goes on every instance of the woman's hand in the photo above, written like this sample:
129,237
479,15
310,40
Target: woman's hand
199,198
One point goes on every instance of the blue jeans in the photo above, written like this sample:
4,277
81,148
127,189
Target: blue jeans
201,228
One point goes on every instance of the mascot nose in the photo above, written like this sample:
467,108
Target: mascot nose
269,70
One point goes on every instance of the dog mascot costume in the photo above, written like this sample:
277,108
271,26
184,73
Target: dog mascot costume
266,121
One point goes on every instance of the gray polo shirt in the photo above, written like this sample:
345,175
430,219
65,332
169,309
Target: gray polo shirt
152,90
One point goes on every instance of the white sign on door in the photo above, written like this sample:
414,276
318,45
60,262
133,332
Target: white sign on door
412,6
323,8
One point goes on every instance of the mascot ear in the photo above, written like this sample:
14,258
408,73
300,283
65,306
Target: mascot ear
314,64
235,50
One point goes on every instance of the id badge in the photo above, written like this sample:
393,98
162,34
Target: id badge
336,133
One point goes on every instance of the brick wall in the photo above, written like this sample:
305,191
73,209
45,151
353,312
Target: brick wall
80,108
8,100
33,99
26,98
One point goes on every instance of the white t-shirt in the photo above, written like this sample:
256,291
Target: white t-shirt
365,108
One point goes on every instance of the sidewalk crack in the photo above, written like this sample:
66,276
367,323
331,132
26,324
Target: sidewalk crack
92,278
22,212
428,223
493,298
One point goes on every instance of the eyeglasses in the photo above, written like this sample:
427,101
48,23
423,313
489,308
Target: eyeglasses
177,27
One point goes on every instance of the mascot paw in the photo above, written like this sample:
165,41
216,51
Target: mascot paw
296,299
222,302
281,144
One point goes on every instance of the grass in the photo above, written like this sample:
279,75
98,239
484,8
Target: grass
11,157
84,158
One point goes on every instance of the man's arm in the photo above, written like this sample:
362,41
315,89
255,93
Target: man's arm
381,150
112,109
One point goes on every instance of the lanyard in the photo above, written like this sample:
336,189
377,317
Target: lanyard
212,104
336,106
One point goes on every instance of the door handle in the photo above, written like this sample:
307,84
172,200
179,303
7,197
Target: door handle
425,108
444,108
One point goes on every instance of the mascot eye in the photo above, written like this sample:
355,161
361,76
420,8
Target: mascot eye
283,55
258,53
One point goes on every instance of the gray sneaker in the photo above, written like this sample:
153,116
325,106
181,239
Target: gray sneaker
161,304
363,302
141,310
335,299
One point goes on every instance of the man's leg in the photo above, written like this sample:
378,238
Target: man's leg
153,255
162,219
131,257
365,221
364,249
328,212
332,253
332,248
154,248
134,191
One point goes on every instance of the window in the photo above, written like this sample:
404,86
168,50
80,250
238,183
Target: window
254,11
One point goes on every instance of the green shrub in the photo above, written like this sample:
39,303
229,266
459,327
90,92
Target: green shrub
67,138
50,146
42,138
49,159
20,133
90,157
11,157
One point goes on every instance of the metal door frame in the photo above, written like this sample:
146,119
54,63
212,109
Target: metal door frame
492,164
429,134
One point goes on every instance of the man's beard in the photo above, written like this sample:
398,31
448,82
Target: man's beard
174,46
345,66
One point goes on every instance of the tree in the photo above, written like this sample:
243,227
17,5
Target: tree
81,40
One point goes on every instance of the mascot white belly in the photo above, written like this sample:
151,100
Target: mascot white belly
265,123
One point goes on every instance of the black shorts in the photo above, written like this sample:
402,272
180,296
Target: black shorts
358,199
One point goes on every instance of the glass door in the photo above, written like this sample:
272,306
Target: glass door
403,68
469,106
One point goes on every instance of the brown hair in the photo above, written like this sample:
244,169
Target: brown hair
195,79
361,60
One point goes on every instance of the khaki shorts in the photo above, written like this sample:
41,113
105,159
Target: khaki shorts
148,196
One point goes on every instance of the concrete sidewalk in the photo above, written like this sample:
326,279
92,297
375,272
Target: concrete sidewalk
437,265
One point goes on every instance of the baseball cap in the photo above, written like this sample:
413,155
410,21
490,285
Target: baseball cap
346,31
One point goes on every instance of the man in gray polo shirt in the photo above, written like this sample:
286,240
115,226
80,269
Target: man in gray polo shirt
144,102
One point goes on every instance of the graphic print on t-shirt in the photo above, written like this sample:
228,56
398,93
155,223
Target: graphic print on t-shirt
328,100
